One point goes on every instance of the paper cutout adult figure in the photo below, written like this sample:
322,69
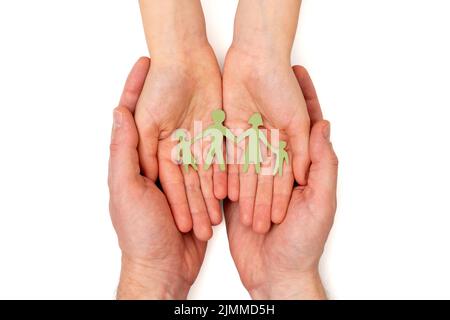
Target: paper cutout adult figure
217,131
252,149
184,152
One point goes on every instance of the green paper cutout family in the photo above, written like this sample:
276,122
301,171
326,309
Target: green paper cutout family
217,132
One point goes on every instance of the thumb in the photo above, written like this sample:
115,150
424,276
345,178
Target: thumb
123,161
324,162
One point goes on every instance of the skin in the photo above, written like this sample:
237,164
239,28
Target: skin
183,86
158,262
217,132
283,264
258,78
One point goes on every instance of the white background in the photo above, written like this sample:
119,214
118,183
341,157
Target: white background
381,69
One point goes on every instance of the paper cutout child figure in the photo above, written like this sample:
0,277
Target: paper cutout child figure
217,131
252,150
281,157
184,150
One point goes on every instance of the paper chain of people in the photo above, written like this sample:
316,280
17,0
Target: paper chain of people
217,132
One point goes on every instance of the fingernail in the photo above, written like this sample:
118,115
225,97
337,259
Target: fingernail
117,119
326,131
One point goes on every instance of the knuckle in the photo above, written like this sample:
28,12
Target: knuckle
334,160
205,174
114,148
196,212
333,154
191,185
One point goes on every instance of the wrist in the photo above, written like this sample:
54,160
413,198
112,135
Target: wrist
260,53
140,280
254,65
262,48
266,28
178,52
304,286
173,28
190,59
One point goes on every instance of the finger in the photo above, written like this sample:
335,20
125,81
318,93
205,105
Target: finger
200,219
263,204
212,203
124,161
220,183
125,137
247,192
172,183
298,136
309,92
282,191
324,163
233,182
220,180
232,171
134,84
148,130
148,149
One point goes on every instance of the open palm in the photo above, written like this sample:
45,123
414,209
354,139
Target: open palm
271,89
175,95
139,211
293,248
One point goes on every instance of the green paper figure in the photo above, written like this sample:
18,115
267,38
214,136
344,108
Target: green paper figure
217,131
252,151
281,157
184,150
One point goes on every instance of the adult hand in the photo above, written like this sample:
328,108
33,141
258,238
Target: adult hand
158,262
183,86
258,78
283,264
